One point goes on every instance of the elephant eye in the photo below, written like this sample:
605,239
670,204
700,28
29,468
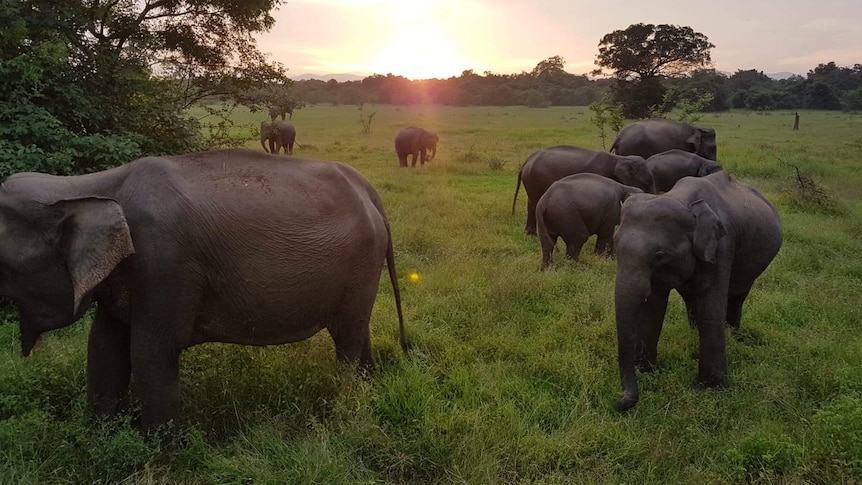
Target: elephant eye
660,258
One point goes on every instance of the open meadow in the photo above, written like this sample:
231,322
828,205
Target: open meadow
513,376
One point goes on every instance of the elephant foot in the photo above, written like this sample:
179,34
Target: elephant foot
645,366
626,402
712,382
530,231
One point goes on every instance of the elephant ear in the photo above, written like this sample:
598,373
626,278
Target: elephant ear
95,238
708,168
708,230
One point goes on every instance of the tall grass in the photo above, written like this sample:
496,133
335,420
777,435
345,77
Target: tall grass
513,375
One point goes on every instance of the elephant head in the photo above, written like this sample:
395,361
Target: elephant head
268,133
53,253
658,244
633,171
703,142
429,142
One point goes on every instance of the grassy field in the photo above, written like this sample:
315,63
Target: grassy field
513,378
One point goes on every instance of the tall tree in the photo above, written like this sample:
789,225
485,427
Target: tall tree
86,84
642,54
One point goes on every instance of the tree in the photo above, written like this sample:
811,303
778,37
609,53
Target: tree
642,54
88,84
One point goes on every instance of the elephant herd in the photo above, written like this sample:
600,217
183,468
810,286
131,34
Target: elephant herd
684,224
236,246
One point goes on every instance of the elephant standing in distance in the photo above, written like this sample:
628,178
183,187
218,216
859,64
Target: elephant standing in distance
229,246
709,238
416,142
669,167
278,135
546,166
576,207
649,137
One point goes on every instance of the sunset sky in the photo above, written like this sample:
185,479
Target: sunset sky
440,38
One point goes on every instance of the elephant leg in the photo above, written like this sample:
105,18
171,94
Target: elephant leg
574,244
413,160
689,298
548,242
530,228
712,360
605,239
353,342
734,309
423,156
108,365
290,148
156,367
402,160
650,322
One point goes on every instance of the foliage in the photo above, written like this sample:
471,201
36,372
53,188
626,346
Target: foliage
643,54
644,51
86,85
689,106
365,120
606,114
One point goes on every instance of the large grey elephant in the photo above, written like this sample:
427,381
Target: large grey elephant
669,167
649,137
709,238
278,135
416,142
575,208
546,166
228,246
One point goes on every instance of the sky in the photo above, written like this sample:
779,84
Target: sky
422,39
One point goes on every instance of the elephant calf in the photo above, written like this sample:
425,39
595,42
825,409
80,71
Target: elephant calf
281,134
709,238
669,167
229,246
544,167
577,207
416,142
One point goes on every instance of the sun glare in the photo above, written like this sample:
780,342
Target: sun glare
421,47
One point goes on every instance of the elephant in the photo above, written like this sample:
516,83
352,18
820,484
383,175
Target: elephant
226,246
576,207
546,166
415,141
709,238
279,135
649,137
670,166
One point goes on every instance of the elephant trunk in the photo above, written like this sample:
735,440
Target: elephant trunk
263,144
433,152
630,295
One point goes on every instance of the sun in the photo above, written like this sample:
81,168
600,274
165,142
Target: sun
421,48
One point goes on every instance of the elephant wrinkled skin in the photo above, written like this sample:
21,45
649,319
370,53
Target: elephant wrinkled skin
649,137
546,166
230,246
576,207
416,142
709,238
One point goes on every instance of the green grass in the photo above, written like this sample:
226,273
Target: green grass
513,377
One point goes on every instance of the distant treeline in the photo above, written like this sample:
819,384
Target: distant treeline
827,87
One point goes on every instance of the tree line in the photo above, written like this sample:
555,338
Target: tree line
826,87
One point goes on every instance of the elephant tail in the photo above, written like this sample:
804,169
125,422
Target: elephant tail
517,188
393,278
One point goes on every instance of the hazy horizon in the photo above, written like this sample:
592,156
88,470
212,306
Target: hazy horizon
441,38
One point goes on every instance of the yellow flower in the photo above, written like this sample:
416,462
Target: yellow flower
414,277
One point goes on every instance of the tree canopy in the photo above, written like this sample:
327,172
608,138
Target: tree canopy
642,55
647,50
86,84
